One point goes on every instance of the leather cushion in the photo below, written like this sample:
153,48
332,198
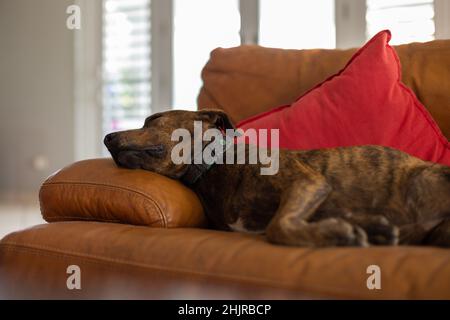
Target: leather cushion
99,190
121,261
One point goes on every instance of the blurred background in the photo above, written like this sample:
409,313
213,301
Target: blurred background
63,89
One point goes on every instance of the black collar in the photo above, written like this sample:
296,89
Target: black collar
195,171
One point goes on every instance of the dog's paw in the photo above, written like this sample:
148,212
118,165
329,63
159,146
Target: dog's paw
339,232
381,232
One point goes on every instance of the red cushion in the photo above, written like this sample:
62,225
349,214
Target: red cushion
365,103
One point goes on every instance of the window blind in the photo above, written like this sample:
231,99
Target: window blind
126,64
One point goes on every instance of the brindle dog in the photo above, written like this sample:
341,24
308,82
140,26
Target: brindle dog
349,196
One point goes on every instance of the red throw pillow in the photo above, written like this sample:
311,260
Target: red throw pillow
365,103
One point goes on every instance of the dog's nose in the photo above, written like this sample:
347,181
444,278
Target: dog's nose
110,138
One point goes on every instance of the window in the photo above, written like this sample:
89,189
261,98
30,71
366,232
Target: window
409,20
297,24
126,64
199,27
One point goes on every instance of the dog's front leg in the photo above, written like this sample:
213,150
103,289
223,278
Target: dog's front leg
290,224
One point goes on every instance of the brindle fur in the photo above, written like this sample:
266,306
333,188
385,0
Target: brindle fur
348,196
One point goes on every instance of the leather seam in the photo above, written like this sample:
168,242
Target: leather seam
95,184
59,218
50,252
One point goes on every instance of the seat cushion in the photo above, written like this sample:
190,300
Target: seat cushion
122,261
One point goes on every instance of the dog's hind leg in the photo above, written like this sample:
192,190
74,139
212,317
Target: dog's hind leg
299,202
440,235
428,193
428,198
380,231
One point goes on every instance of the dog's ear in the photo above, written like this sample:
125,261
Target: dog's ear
152,117
217,117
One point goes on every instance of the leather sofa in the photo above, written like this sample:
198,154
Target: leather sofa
155,260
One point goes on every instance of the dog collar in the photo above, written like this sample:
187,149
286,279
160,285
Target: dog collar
195,171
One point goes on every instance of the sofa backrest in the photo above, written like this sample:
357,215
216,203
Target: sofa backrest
248,79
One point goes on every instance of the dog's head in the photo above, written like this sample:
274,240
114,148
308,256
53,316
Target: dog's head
150,147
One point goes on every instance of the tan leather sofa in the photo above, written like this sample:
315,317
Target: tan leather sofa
126,261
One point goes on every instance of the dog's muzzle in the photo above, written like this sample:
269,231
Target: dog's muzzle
131,157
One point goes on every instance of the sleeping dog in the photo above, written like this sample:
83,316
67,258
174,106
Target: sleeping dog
347,196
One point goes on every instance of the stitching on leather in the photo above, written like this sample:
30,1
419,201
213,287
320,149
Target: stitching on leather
59,218
94,184
51,252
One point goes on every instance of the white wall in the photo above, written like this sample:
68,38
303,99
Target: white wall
36,91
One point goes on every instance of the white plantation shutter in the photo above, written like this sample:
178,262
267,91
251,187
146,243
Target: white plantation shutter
126,64
409,20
